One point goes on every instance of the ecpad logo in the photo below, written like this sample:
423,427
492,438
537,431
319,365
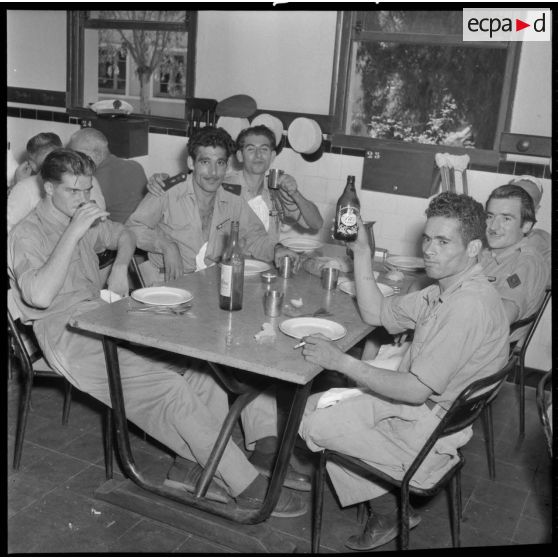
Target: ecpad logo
506,25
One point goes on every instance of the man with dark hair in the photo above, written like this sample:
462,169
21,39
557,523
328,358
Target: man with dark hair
186,228
28,190
122,180
54,275
519,272
460,335
255,150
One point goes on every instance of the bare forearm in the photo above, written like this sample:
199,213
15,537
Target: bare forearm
150,240
400,386
369,297
310,213
125,249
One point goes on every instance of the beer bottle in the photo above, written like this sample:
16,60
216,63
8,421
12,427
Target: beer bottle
348,207
232,273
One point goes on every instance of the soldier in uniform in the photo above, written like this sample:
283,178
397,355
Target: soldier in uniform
186,228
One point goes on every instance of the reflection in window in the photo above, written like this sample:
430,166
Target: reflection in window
112,69
413,79
144,57
170,80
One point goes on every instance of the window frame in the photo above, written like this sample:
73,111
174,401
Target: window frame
78,21
349,31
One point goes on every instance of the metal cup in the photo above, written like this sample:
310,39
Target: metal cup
286,267
273,178
273,303
329,278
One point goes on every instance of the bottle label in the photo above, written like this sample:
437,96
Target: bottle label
226,280
347,220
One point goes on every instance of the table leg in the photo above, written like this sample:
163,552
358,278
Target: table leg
239,515
300,396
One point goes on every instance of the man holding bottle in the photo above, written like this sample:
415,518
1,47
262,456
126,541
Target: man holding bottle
185,229
460,335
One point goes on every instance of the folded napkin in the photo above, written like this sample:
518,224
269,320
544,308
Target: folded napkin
334,395
109,296
389,356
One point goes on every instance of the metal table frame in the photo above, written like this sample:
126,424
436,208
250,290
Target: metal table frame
246,394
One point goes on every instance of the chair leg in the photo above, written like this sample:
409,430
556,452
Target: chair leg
318,504
67,402
521,371
404,513
108,442
22,415
489,439
454,493
459,501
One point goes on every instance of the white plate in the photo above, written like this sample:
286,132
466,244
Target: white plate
301,244
255,267
349,288
162,296
301,327
406,262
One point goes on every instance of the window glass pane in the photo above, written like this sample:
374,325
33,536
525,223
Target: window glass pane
442,22
426,93
139,15
146,68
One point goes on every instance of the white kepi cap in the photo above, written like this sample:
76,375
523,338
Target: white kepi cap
272,122
305,135
233,125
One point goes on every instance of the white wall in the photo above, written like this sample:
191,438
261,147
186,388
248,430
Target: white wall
283,60
37,49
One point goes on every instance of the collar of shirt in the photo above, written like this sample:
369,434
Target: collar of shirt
499,257
433,295
237,177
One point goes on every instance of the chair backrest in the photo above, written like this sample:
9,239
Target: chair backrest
532,321
199,113
21,338
463,412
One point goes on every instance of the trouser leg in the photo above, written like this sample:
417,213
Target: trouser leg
183,412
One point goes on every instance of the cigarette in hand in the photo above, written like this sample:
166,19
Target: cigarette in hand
301,344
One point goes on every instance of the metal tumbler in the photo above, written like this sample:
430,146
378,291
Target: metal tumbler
273,303
273,178
286,267
329,278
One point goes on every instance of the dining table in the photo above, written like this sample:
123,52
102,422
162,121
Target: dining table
233,345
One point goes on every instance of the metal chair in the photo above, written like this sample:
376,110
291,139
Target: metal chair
519,350
544,399
463,412
23,348
199,113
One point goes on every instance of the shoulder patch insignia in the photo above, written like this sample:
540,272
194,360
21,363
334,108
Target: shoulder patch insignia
232,188
513,281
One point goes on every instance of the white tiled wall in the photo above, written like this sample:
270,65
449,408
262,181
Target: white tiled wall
399,219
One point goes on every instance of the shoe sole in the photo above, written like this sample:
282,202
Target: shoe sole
287,483
210,494
294,513
388,537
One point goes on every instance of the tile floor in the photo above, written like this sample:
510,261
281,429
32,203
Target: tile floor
53,508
